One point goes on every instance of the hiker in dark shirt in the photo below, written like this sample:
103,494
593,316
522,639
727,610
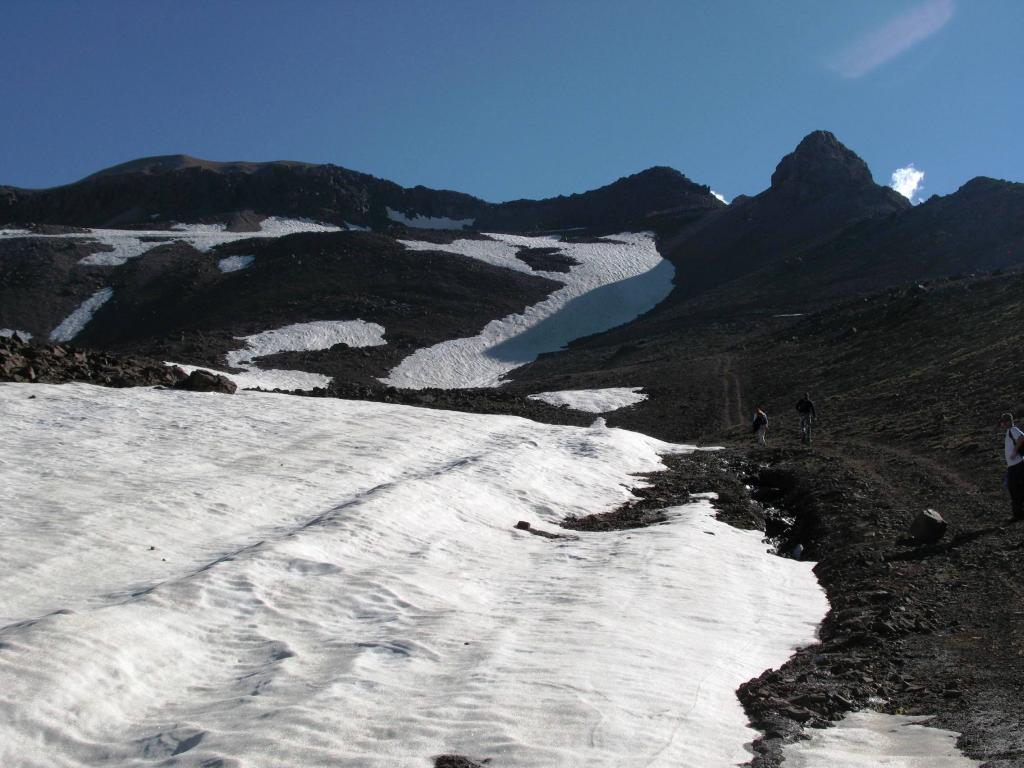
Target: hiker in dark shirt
805,407
760,426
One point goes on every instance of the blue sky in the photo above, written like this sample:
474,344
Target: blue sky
514,99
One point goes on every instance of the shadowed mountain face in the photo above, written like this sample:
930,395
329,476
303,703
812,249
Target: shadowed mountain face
818,191
655,199
180,188
150,191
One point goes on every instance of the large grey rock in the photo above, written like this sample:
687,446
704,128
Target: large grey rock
928,527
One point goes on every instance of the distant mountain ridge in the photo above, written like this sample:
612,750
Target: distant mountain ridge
184,188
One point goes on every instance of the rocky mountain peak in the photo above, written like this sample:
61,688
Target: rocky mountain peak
819,164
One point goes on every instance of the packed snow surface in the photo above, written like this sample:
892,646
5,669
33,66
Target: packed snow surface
73,324
235,263
125,244
257,580
593,400
616,280
9,332
428,222
869,739
258,378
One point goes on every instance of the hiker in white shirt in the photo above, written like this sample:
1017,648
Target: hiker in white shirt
1013,448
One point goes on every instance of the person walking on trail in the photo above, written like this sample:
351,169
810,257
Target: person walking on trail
805,407
1013,448
760,426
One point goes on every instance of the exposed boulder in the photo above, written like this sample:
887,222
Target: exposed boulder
928,527
205,381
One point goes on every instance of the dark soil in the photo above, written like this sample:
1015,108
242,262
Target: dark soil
546,259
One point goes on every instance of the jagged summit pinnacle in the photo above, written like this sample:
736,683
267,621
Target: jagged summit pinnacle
820,163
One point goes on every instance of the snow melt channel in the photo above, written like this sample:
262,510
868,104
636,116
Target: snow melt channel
338,583
615,281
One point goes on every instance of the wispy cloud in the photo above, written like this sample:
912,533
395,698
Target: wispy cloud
893,38
907,181
720,197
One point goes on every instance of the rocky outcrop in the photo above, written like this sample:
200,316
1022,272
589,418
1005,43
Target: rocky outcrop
819,190
207,381
57,364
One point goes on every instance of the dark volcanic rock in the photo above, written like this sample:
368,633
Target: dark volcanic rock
151,191
650,199
206,381
58,364
819,165
928,527
817,192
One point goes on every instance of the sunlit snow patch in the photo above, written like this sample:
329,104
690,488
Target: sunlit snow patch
305,337
300,337
7,333
428,222
346,575
73,324
235,263
615,281
868,739
593,400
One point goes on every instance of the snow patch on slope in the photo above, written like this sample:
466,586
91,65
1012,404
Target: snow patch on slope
73,324
593,400
302,337
8,333
346,575
128,244
615,281
867,739
235,263
428,222
299,337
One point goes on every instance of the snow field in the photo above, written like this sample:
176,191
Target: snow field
616,281
339,583
593,400
319,334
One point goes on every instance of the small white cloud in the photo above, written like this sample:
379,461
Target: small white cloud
893,38
907,181
720,197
